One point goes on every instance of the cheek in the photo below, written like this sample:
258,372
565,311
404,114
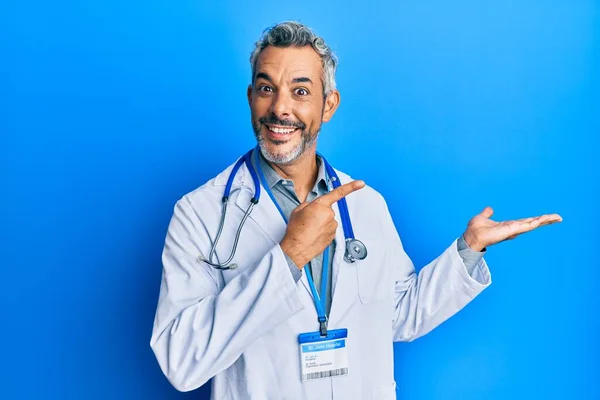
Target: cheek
261,105
315,121
309,114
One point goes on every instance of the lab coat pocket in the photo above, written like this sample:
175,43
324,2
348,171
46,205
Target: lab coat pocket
385,393
373,274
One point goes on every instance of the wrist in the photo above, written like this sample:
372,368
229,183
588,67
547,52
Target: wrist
293,253
472,241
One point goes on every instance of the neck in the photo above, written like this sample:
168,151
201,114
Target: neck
303,172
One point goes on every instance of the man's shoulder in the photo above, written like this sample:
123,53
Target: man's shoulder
214,187
368,195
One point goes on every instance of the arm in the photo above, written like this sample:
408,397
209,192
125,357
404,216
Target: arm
202,328
442,288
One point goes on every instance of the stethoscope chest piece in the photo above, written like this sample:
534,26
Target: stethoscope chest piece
355,250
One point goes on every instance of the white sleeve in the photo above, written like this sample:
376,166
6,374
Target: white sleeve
442,288
201,327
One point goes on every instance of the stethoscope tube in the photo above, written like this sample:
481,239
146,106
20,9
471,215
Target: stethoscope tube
355,249
342,204
225,200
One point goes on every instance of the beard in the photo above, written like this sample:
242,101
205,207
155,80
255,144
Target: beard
307,139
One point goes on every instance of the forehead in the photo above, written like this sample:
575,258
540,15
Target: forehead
289,62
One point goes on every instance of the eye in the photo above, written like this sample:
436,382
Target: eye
301,92
265,88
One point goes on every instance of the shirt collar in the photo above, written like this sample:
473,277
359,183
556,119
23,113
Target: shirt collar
273,178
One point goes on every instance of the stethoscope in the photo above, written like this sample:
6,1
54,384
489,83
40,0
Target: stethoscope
355,249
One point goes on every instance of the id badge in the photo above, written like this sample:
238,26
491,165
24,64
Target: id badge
323,356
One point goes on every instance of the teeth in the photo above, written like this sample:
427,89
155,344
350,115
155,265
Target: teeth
282,130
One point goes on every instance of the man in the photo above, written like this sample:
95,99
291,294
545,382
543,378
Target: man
262,329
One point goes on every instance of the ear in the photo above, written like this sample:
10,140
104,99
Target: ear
249,94
332,101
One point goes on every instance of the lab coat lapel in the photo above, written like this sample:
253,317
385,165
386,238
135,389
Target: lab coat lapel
265,213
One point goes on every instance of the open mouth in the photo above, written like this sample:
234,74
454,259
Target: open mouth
280,132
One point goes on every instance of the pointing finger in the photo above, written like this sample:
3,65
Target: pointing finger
336,194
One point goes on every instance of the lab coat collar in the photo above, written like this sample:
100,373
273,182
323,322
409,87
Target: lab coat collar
240,177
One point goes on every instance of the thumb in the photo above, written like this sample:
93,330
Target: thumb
487,212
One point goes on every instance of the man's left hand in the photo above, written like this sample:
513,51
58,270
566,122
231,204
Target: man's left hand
483,232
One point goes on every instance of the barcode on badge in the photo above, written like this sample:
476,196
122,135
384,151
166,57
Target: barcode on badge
324,374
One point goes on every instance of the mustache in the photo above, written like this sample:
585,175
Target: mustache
274,120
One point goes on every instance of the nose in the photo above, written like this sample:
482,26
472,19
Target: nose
281,105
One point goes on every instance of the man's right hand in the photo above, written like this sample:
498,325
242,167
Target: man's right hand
312,225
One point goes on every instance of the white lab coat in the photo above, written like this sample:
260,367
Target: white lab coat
241,326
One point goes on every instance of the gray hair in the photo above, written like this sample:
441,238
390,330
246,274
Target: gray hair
291,33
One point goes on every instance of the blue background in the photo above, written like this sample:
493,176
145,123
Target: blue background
110,111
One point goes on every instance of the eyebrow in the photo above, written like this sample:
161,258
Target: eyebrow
263,76
302,79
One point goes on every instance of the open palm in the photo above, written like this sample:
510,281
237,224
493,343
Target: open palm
482,231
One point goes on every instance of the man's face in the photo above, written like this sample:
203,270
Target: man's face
287,103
